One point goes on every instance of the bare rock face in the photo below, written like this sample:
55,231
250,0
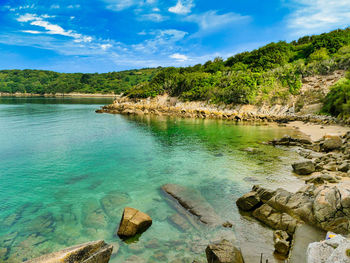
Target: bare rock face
91,252
223,252
304,168
133,222
194,203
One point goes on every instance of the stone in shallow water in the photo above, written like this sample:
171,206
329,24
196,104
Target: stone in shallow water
113,202
134,259
194,202
93,215
133,222
91,252
42,224
223,252
180,222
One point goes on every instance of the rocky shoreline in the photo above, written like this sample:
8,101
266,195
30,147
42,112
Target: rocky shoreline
323,204
172,106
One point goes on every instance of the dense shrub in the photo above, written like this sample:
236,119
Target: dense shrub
337,101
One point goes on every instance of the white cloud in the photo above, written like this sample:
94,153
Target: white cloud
179,57
182,7
156,9
32,31
119,5
164,41
27,17
104,47
153,17
317,16
50,28
73,6
55,6
212,20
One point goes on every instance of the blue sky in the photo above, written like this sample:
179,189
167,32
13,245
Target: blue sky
113,35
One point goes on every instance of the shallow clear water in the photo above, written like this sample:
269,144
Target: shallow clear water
66,174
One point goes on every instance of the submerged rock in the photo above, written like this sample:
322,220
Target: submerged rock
133,222
113,201
223,252
179,221
194,202
91,252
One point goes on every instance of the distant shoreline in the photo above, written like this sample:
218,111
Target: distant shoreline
60,95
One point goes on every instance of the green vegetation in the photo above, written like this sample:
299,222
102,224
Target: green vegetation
270,74
49,82
337,101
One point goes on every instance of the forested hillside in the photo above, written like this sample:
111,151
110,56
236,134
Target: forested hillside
49,82
270,74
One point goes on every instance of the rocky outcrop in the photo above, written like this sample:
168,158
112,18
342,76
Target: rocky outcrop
194,203
248,201
223,252
304,167
92,252
327,207
133,222
165,105
335,249
275,219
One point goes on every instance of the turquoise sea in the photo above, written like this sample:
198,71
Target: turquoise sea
66,173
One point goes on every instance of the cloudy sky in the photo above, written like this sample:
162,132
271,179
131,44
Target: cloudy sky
113,35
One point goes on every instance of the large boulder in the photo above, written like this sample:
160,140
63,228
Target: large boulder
331,143
304,167
335,249
194,202
91,252
133,222
248,201
223,252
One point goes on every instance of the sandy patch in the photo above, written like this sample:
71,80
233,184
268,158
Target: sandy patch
317,131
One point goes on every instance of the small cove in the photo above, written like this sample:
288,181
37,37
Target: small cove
66,174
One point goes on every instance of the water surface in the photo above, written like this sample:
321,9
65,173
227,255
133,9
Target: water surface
66,174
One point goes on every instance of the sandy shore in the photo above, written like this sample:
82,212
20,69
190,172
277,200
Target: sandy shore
317,131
